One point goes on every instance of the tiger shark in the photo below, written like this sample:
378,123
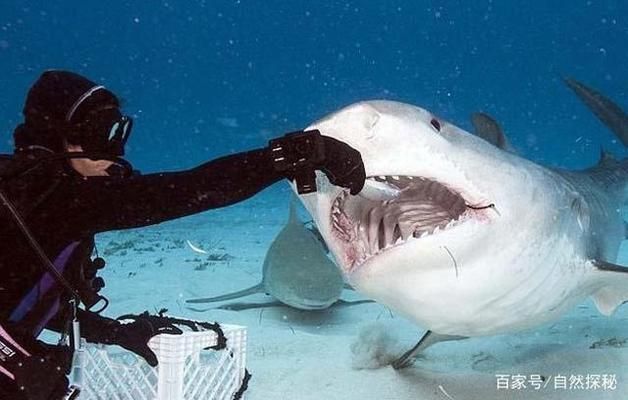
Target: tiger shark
297,273
461,235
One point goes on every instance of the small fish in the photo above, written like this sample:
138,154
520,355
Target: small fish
196,249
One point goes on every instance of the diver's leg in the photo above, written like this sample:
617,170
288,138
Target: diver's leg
428,339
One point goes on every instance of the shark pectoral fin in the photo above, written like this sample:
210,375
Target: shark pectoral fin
613,294
259,288
606,266
608,299
249,306
428,339
347,303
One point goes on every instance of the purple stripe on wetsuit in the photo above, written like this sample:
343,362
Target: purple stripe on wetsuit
51,313
43,286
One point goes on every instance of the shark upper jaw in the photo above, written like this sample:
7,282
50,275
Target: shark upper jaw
401,210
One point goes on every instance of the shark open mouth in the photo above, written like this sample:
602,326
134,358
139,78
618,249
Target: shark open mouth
420,207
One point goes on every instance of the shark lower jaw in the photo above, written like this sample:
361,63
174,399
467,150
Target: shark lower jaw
421,208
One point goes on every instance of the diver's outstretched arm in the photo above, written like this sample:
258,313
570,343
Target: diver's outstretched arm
104,203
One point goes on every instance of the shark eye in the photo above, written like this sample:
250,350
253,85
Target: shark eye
435,124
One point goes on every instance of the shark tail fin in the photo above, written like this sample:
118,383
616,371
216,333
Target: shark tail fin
614,290
611,172
607,111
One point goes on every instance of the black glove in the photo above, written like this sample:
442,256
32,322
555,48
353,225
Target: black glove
298,154
343,165
134,335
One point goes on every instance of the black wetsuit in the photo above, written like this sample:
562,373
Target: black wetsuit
64,210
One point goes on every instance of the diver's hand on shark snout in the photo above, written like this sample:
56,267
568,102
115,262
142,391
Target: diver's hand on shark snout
298,154
343,165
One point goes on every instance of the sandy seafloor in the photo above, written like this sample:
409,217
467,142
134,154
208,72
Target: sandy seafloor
308,355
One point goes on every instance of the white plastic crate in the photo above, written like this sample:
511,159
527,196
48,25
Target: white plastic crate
185,370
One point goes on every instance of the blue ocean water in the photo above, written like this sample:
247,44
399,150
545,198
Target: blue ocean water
208,78
204,78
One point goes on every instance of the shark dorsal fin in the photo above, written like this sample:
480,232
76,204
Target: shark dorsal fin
604,108
606,158
488,129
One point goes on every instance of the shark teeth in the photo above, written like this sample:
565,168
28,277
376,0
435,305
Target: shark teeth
393,210
368,253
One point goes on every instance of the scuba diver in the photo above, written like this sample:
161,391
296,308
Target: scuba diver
67,181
